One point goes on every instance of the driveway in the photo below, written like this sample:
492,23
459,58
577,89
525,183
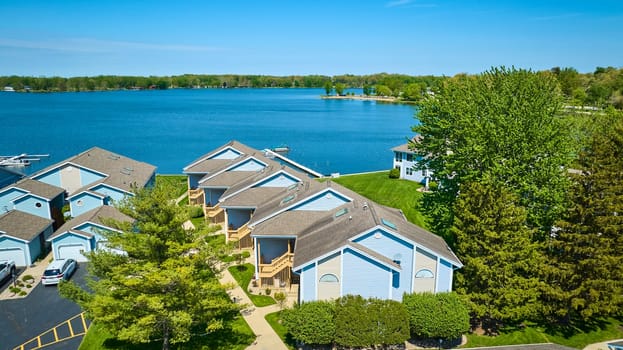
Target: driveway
24,319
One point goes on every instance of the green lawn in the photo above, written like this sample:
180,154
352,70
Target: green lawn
395,193
573,337
243,274
274,320
238,337
178,183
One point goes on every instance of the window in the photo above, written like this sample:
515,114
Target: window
409,157
424,273
409,171
329,278
398,157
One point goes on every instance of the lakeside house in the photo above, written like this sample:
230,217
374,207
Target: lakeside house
405,160
320,239
89,182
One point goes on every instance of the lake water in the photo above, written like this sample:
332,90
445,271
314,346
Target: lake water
170,128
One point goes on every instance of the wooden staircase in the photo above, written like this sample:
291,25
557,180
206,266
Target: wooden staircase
215,214
196,197
242,235
280,267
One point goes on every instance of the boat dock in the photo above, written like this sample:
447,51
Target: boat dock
21,160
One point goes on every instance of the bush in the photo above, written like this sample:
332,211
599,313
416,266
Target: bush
363,322
267,291
312,322
28,278
195,212
280,298
438,316
394,173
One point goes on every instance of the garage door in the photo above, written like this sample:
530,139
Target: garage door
73,251
16,254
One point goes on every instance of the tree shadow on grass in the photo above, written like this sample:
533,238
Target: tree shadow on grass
574,327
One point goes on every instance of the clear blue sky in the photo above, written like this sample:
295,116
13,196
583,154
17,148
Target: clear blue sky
415,37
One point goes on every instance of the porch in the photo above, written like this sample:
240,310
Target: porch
278,271
242,235
196,196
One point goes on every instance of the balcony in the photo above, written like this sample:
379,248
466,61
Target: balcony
241,235
279,267
215,214
196,197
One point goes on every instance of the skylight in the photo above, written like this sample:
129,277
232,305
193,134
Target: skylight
288,199
341,212
388,223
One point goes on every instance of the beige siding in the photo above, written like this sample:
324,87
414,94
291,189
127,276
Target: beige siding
70,178
330,265
424,260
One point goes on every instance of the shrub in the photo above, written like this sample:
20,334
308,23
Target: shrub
267,291
441,315
363,322
312,322
195,212
28,278
280,298
394,173
22,293
14,290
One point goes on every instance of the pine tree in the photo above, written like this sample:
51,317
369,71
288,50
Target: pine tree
585,279
165,288
500,257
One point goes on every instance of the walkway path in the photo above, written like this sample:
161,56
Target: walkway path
601,346
266,339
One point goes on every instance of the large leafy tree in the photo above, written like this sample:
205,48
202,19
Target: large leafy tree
586,276
501,259
165,287
503,123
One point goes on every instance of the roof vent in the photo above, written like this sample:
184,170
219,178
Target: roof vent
365,205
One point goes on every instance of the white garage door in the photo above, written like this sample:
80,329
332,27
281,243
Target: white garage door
73,251
16,254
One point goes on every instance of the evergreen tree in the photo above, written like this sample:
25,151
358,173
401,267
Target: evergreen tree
501,260
586,276
165,287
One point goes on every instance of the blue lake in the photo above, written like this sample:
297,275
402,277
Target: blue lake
170,128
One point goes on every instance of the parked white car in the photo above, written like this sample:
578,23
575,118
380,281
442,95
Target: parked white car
7,268
59,270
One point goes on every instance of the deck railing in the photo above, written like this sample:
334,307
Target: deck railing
239,233
276,265
195,196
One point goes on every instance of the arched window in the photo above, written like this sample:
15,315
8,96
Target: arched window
424,273
329,277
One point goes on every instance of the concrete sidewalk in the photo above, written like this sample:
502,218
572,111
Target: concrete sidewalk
266,339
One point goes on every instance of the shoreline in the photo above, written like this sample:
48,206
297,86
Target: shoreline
384,99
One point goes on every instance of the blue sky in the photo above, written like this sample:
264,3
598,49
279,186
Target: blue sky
415,37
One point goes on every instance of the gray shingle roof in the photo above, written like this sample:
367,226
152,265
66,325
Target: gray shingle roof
38,188
405,147
250,198
22,225
203,165
97,216
292,222
226,179
121,172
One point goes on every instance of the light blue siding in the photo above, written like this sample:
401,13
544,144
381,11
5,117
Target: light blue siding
228,153
444,276
193,180
212,195
95,230
323,202
84,202
35,248
89,177
238,217
7,197
113,193
308,283
271,248
33,205
394,248
278,180
364,276
249,165
52,178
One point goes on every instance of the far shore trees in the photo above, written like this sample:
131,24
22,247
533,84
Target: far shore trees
165,287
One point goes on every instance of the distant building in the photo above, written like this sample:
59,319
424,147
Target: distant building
405,160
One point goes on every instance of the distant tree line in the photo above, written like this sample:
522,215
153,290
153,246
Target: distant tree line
600,88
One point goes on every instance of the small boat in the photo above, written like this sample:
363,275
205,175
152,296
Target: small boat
281,149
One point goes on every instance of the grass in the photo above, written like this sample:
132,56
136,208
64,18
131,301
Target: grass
178,184
238,337
574,337
395,193
243,274
274,320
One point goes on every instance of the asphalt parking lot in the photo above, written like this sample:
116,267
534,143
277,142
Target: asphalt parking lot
26,318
